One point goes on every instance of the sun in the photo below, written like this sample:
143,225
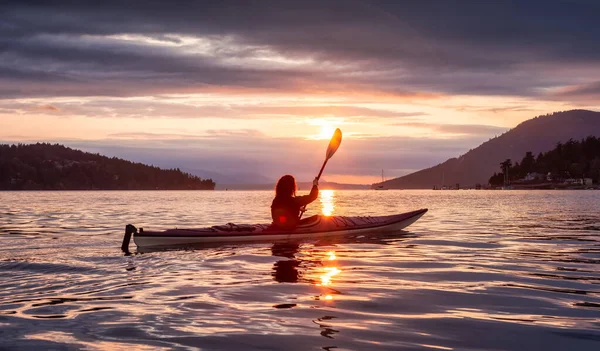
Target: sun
324,127
326,131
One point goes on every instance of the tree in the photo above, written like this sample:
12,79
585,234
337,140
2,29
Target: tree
496,179
595,170
505,168
527,163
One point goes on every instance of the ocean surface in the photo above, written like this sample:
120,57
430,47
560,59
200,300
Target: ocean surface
482,270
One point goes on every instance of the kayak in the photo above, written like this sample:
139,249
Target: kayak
317,226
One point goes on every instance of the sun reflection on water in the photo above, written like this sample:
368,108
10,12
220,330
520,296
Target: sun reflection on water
331,255
328,272
327,202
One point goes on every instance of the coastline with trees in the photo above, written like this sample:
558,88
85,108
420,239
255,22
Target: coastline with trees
44,166
571,165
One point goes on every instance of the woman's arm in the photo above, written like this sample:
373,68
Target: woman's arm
306,199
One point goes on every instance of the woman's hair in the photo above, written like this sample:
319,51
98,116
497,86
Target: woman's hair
286,186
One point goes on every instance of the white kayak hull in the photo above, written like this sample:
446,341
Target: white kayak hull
321,227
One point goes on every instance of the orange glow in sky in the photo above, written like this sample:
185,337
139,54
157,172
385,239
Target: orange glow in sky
243,97
213,120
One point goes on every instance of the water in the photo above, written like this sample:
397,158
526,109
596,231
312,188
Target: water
497,270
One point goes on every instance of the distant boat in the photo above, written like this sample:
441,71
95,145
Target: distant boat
380,186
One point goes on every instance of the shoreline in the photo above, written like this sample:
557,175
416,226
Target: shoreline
228,190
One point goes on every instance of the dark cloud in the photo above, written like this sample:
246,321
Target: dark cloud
49,108
483,48
585,91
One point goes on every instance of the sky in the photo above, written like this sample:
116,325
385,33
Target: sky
257,88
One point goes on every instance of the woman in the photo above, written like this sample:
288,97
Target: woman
285,208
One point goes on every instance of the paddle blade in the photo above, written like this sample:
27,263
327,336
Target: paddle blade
334,144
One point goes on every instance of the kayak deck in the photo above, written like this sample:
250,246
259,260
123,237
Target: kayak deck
314,227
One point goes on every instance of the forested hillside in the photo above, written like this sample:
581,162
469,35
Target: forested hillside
536,135
56,167
573,159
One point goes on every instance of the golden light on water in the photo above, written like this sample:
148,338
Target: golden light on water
329,273
327,202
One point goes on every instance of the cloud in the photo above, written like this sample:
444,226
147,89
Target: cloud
150,136
409,49
219,133
469,129
503,109
588,92
371,61
50,108
231,109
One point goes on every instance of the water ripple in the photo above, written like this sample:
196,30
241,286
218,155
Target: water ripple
480,266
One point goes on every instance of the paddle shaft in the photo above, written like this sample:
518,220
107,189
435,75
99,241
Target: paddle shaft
322,168
303,209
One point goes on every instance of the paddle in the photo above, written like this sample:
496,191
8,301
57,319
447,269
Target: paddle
334,144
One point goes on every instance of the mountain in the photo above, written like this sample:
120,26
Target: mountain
57,167
537,135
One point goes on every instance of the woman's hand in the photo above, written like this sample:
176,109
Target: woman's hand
316,182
